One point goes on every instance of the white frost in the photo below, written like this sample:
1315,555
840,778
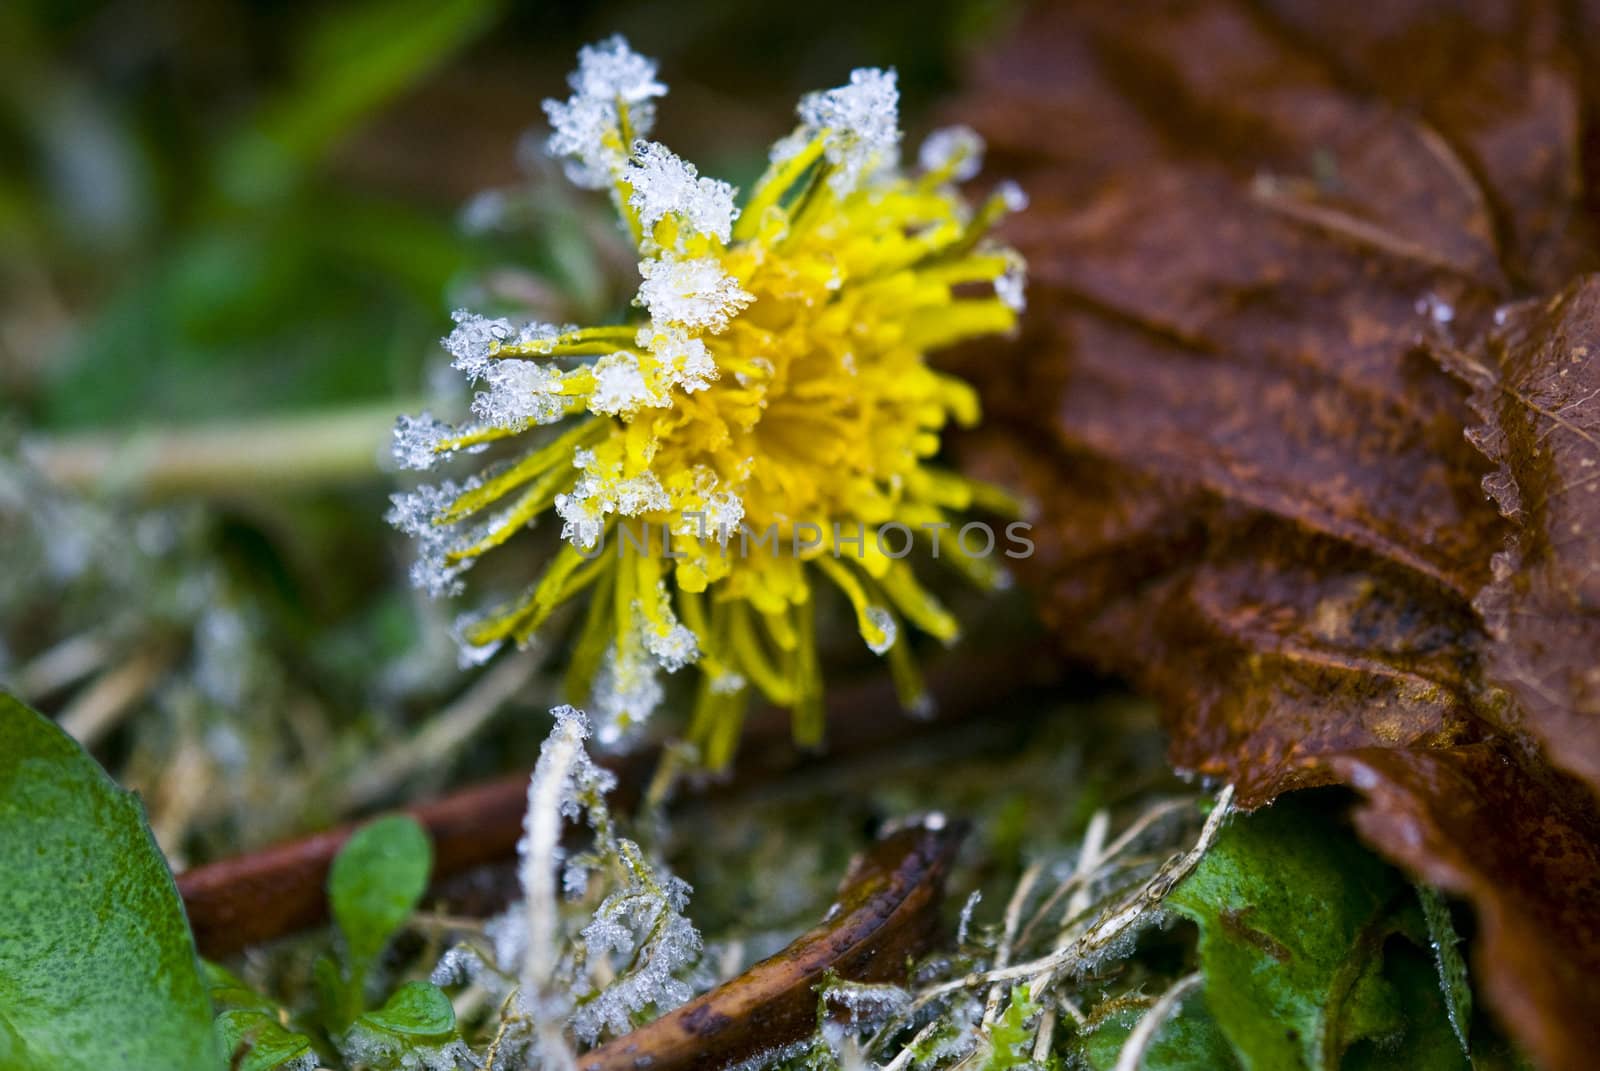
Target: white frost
619,386
663,183
956,148
1011,286
860,121
519,393
587,126
691,292
685,362
884,624
417,439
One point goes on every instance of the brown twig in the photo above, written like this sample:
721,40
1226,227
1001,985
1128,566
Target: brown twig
257,897
888,906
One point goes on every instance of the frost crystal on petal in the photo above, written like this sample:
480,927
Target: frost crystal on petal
587,126
685,362
691,292
1013,196
861,124
619,386
413,513
474,340
469,654
579,127
664,184
1011,286
676,649
610,70
673,645
883,623
627,691
599,494
583,512
520,393
417,439
956,148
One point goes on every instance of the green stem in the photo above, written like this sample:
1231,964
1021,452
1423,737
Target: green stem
336,446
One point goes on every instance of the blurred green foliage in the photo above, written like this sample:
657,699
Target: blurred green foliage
223,209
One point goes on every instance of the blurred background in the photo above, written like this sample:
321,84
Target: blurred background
230,235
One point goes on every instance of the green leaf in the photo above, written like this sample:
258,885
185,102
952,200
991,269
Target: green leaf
377,880
256,1041
1292,913
248,1026
1010,1040
229,991
1426,1041
415,1027
357,57
97,965
1452,968
416,1010
1188,1041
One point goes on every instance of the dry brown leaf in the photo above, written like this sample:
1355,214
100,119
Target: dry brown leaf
1284,255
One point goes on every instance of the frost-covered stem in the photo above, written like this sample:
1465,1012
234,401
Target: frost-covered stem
1106,929
903,1058
547,790
1045,1035
1144,1033
1081,876
222,459
1002,954
1089,859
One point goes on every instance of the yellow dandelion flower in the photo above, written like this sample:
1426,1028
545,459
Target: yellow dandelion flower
767,421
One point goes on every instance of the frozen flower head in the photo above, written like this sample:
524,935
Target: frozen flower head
757,426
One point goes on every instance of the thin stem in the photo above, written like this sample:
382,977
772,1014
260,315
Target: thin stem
224,459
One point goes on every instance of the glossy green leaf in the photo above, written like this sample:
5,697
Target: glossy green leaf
256,1041
415,1027
1293,912
377,880
249,1029
416,1009
97,964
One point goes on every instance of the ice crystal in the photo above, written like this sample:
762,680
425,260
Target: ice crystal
1012,196
474,341
663,184
417,441
611,78
691,292
620,387
587,975
673,645
957,150
640,925
469,654
610,70
520,393
366,1047
859,124
1012,284
414,513
685,361
627,689
883,624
